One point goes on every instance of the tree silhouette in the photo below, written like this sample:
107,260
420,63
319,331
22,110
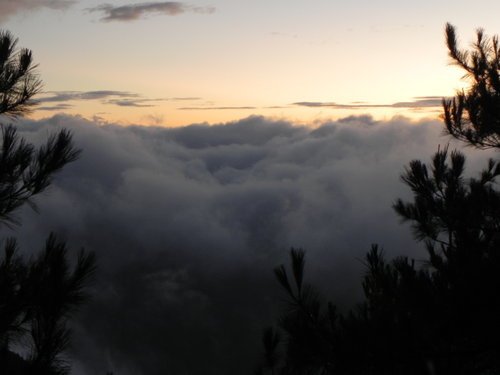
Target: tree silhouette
38,296
19,81
441,318
474,115
26,171
56,293
36,300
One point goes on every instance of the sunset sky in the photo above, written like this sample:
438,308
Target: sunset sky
278,124
176,63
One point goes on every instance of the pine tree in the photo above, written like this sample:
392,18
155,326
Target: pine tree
438,319
38,296
19,81
473,115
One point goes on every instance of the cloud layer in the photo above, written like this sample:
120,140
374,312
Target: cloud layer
188,223
9,8
137,11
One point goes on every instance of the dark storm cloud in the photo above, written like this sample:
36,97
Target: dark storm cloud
419,102
9,8
188,223
137,11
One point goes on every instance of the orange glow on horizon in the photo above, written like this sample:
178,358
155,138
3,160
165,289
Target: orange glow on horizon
171,116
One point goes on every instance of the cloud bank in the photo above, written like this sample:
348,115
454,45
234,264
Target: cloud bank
9,8
188,223
133,12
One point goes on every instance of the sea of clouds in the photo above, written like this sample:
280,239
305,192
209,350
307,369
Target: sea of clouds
188,223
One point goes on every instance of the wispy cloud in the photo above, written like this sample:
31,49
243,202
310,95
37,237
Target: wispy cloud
185,99
142,102
418,102
56,107
59,99
66,96
9,8
133,12
212,108
132,102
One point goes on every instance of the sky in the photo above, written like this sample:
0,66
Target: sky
252,127
177,63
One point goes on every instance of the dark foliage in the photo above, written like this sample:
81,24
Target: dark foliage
39,295
474,115
26,171
19,81
440,317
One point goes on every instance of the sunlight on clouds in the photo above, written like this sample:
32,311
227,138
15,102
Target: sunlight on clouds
325,53
172,114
